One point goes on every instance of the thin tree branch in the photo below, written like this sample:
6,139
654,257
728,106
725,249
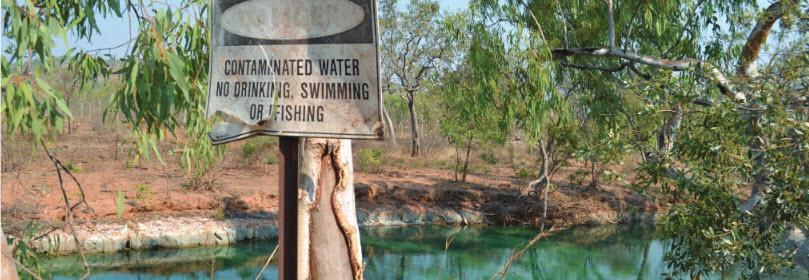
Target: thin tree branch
710,71
594,67
536,22
267,263
126,43
57,164
675,65
518,253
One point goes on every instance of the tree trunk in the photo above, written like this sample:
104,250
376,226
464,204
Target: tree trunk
328,233
543,179
668,133
457,162
389,123
544,184
8,269
466,160
414,125
594,180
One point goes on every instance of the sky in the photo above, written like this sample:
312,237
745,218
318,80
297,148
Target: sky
116,31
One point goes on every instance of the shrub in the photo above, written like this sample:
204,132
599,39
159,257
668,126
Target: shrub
219,214
71,167
248,150
525,173
489,157
370,160
272,158
143,191
199,183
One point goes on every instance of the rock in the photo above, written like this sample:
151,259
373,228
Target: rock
202,231
452,217
169,233
471,216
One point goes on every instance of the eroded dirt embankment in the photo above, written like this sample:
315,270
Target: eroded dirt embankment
380,203
159,208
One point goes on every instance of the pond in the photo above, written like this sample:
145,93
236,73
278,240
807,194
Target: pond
605,252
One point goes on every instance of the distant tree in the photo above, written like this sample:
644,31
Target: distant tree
468,126
413,46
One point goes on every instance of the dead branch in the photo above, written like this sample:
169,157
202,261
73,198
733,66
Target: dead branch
267,263
518,253
57,164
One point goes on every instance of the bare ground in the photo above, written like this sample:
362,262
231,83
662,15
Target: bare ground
249,187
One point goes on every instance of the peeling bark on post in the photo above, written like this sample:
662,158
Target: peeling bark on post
328,233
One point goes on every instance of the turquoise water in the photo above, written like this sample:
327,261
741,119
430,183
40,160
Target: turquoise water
606,252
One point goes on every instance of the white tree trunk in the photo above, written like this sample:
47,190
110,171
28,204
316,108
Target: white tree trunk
328,233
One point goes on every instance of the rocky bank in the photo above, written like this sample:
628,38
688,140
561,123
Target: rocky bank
175,232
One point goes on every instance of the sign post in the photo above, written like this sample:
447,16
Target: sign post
295,69
288,207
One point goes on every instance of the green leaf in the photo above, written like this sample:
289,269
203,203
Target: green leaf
178,74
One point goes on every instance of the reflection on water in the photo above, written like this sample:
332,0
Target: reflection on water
606,252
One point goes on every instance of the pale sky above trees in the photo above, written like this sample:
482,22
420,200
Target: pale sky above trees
115,31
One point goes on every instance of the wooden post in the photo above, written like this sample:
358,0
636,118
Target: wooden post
328,233
318,231
288,208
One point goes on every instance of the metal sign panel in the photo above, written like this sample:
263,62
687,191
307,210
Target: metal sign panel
307,68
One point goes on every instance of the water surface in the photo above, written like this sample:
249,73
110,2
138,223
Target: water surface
605,252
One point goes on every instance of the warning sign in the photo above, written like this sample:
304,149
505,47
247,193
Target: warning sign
306,68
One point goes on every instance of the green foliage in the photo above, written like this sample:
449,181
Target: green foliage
26,255
72,167
705,150
414,33
143,191
164,75
525,172
30,104
248,150
219,214
489,157
272,158
257,145
370,160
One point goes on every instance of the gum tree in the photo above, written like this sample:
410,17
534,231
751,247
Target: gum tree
413,46
728,139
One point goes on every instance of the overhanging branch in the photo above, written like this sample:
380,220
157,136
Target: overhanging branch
675,65
710,71
608,69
